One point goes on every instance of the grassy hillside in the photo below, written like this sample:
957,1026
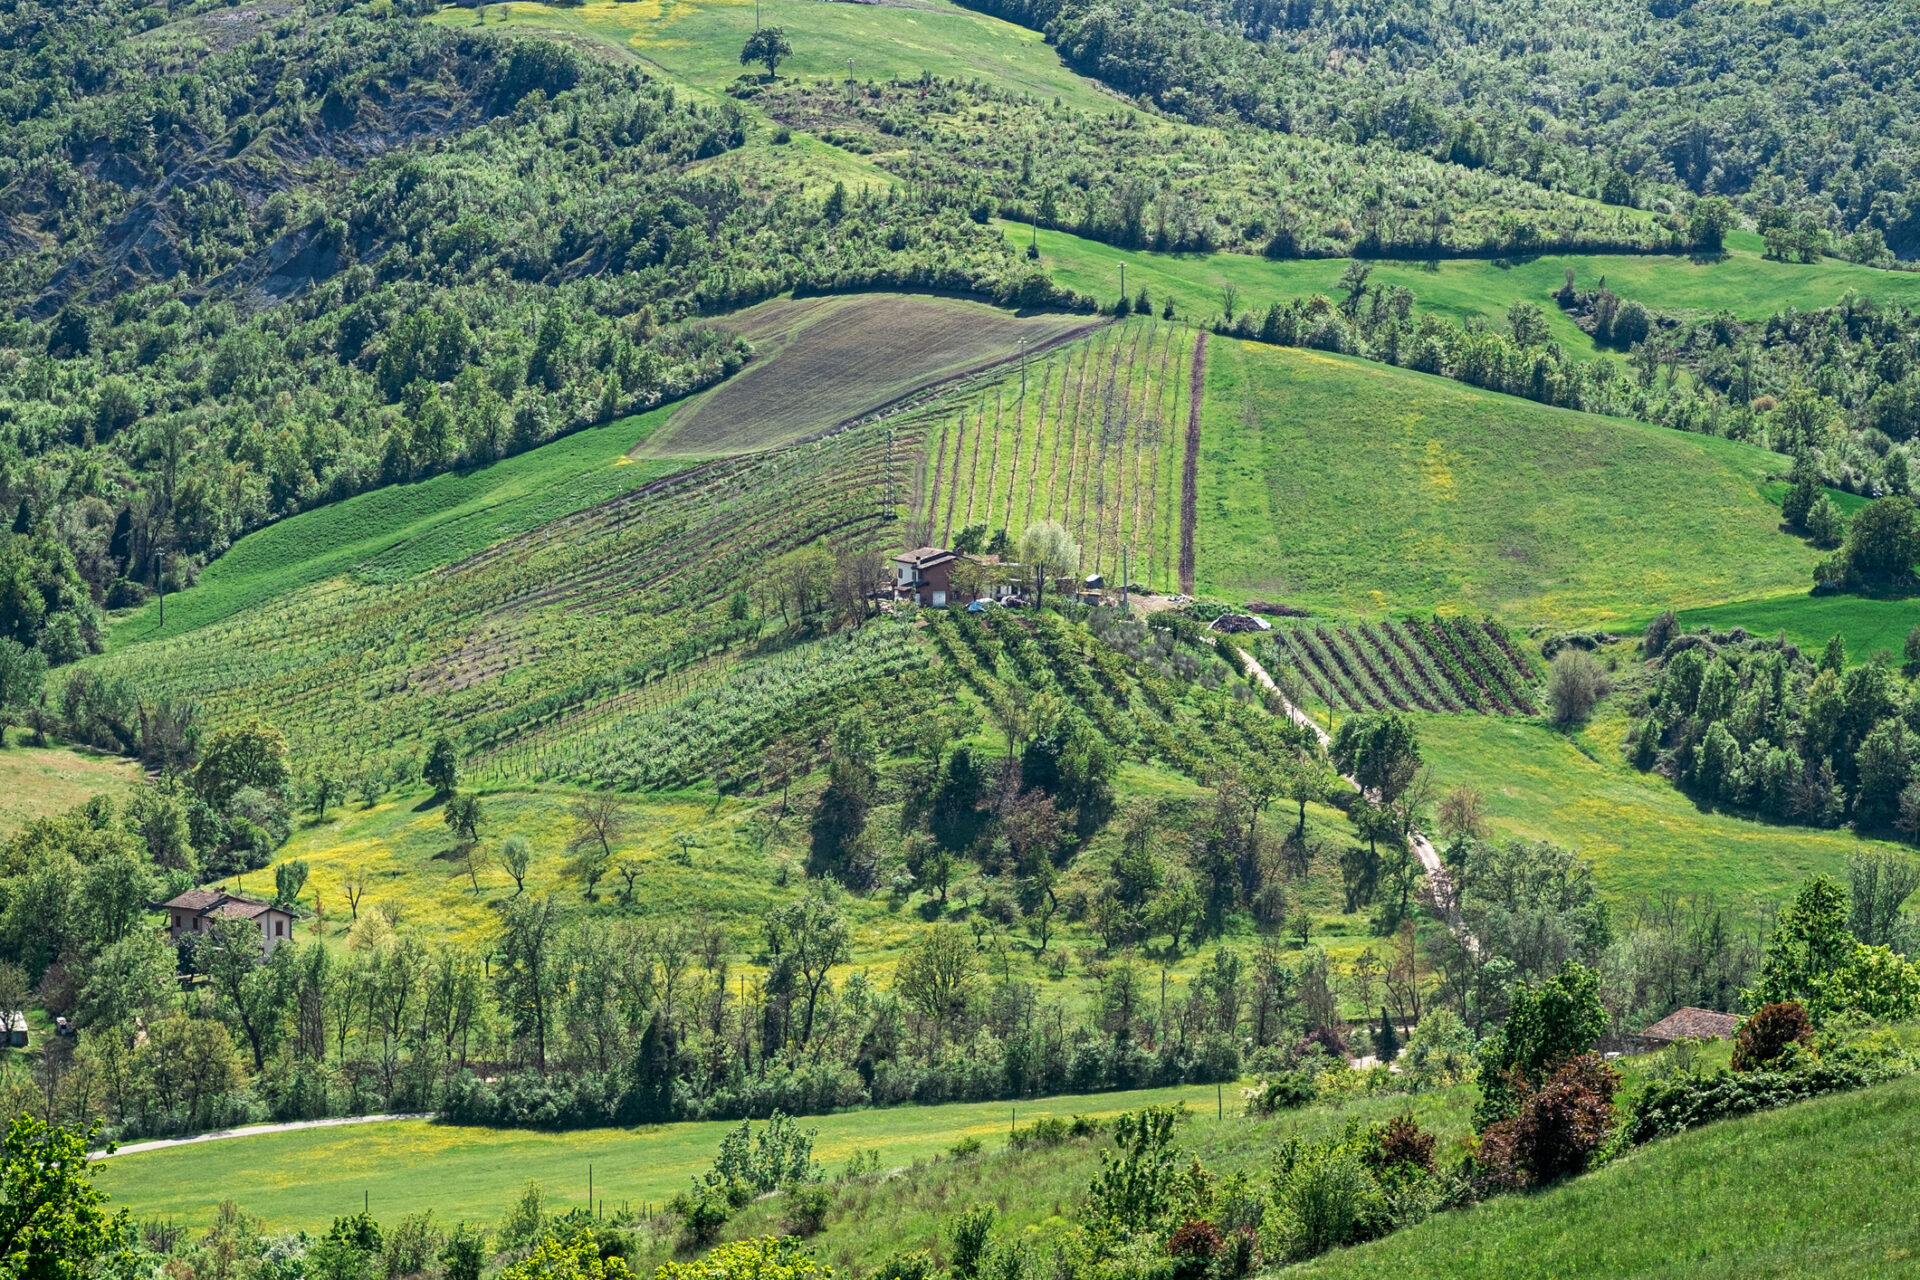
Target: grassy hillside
697,42
1361,488
1819,1189
1742,281
36,782
407,529
1644,836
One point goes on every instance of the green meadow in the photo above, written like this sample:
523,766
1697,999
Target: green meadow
1867,625
697,42
406,529
301,1179
1360,488
1643,835
1742,281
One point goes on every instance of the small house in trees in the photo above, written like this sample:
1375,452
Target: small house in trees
925,576
16,1030
196,910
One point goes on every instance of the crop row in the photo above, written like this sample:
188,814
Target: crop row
540,636
1079,441
1421,664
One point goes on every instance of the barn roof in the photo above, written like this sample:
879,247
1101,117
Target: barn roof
1692,1024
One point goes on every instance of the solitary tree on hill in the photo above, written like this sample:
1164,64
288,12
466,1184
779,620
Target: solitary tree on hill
767,46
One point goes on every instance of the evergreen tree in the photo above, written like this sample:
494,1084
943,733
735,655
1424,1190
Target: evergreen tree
1386,1040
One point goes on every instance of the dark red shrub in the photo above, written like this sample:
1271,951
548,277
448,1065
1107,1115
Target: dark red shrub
1401,1141
1766,1035
1193,1247
1558,1128
1328,1038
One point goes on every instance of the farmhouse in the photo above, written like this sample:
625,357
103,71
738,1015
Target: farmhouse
926,575
194,912
1687,1024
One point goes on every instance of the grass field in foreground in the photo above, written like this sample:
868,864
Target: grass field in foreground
1743,282
408,528
301,1179
1824,1189
1361,488
1643,835
36,782
697,42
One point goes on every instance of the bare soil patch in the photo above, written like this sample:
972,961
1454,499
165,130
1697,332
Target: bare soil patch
823,362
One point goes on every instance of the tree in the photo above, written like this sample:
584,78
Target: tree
463,816
1386,1040
1379,752
784,761
53,1223
1709,222
252,994
597,819
354,885
528,969
936,975
1810,941
442,769
811,935
1574,685
1548,1024
768,46
1048,551
252,754
1883,542
1463,814
838,832
289,878
22,672
516,853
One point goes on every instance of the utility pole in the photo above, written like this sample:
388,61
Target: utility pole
1126,555
1123,280
160,582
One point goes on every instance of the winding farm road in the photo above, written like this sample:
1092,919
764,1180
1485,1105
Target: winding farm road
254,1130
1437,877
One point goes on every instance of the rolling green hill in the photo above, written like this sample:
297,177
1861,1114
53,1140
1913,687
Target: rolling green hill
1822,1188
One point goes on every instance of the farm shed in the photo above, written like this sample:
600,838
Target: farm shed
1688,1024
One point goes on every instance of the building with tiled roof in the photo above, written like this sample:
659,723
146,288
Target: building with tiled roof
194,912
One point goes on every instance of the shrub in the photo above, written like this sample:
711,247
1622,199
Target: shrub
1324,1200
1193,1246
1574,685
1402,1142
1283,1091
1559,1126
916,1265
578,1259
965,1148
765,1258
806,1208
1687,1102
970,1233
1765,1036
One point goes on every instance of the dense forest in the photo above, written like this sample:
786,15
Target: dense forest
257,265
1806,108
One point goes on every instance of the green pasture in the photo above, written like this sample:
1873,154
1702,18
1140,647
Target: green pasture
405,529
301,1179
1360,488
1643,835
1741,281
697,42
37,782
1824,1188
1868,625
